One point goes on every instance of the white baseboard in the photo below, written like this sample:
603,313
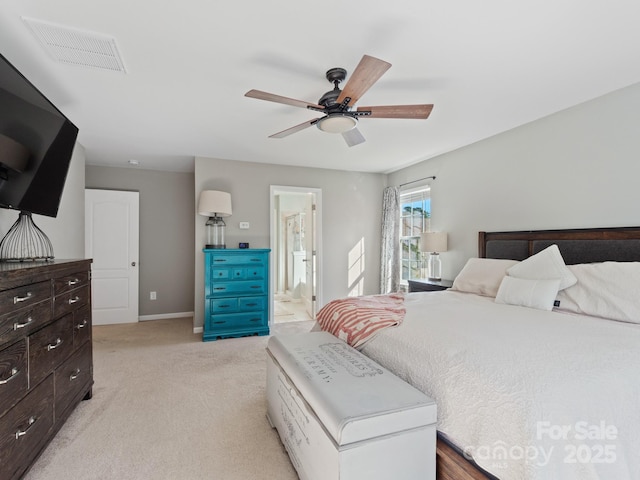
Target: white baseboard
164,316
198,329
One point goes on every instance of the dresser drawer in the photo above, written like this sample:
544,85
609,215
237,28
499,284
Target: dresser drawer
20,297
69,301
49,347
22,322
220,273
237,321
14,379
70,282
238,287
81,325
72,380
25,429
247,304
224,305
241,259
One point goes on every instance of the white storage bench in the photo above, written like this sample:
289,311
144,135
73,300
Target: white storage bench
342,416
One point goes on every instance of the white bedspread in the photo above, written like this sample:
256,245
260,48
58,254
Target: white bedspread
513,382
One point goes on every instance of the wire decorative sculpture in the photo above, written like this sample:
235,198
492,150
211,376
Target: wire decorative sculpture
25,242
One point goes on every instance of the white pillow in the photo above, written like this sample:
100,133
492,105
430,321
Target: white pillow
608,290
538,294
482,276
545,265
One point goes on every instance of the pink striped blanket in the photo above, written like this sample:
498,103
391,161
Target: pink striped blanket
357,320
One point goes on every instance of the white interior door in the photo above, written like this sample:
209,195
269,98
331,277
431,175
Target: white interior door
111,240
309,294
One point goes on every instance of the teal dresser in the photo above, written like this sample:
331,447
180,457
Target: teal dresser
236,286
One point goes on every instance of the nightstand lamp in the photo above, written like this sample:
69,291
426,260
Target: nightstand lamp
434,243
215,205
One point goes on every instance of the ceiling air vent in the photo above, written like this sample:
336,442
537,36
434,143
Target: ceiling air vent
77,47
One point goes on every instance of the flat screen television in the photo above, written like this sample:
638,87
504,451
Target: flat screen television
36,144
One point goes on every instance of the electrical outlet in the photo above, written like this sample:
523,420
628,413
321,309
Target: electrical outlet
244,225
152,295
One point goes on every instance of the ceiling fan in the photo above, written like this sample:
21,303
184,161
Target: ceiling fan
337,105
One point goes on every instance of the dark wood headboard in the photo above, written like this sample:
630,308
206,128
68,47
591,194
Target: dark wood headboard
588,245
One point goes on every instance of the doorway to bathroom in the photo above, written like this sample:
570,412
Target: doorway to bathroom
295,250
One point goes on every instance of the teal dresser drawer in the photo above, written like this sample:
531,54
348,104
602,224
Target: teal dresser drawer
236,293
237,288
236,325
224,305
237,258
247,304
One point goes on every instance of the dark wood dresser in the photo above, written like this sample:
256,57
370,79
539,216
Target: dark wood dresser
46,365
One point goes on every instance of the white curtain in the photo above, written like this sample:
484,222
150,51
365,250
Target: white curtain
390,245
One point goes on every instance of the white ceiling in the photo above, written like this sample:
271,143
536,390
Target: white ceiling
487,66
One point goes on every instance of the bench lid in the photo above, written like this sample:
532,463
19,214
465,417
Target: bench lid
353,397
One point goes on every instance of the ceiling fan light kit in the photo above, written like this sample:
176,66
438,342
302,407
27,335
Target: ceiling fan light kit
337,123
337,104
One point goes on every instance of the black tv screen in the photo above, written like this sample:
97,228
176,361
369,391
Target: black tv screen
36,144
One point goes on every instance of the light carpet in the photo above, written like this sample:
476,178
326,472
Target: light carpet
168,406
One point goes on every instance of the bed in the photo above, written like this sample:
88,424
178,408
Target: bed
524,391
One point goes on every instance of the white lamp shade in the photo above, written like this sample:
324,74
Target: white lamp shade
433,242
213,203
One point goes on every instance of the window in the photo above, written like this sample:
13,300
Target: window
415,215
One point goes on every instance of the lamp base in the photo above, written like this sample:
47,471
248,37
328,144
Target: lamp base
215,246
25,242
435,267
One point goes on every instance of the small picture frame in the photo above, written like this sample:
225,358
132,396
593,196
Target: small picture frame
243,245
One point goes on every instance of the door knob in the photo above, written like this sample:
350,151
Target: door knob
133,264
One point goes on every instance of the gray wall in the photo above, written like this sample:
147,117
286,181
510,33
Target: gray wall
166,233
66,230
576,169
351,213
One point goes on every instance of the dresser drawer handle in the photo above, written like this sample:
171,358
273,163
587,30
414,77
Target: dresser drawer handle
73,300
224,306
14,374
251,304
220,260
219,288
255,320
18,299
256,260
53,346
219,322
73,282
80,326
74,375
256,286
30,423
18,326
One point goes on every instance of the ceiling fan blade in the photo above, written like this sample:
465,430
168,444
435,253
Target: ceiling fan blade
353,137
398,111
368,71
270,97
297,128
